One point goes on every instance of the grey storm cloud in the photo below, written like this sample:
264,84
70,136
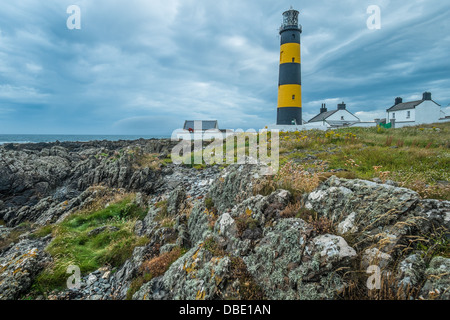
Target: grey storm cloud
143,67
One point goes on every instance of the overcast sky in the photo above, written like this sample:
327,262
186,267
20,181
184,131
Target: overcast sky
145,66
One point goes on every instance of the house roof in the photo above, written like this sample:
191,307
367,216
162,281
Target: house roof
206,124
407,105
322,116
325,115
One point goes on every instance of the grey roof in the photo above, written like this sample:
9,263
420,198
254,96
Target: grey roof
206,124
325,115
322,116
407,105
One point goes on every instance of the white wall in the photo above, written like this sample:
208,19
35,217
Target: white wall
402,116
364,124
428,112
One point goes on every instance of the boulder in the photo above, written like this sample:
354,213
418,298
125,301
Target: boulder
20,265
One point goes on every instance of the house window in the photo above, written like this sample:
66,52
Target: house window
408,114
393,115
342,118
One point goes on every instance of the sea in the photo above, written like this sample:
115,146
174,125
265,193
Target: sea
35,138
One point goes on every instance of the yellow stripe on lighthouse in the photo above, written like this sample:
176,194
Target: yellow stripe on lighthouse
289,95
290,52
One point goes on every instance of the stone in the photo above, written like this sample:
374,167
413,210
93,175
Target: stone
175,201
91,280
411,270
437,284
196,275
373,256
19,266
348,225
333,247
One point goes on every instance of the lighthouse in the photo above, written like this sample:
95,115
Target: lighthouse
289,107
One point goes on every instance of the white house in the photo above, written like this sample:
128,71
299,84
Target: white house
336,118
415,112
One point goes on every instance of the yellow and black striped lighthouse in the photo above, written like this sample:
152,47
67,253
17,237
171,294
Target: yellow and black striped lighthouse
289,109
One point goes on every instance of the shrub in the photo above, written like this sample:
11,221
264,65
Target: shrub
158,266
154,268
244,222
209,203
292,210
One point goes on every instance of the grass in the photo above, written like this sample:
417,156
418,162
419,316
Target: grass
73,244
149,160
415,157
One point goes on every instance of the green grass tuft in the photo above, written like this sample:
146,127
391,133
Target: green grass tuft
73,245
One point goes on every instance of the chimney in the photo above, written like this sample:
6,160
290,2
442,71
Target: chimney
426,96
341,106
398,100
323,109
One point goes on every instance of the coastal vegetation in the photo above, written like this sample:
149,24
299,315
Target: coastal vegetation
91,239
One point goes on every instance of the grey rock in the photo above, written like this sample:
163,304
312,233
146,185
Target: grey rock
411,271
438,280
233,186
20,265
373,256
198,226
196,275
175,200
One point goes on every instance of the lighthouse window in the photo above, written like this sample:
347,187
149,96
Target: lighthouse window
293,36
293,97
293,59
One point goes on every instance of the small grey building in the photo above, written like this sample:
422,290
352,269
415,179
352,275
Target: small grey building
200,125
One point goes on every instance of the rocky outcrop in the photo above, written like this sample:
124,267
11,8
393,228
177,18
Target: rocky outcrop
375,212
234,185
20,265
198,275
33,176
289,264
